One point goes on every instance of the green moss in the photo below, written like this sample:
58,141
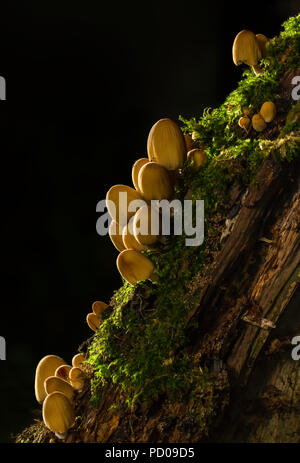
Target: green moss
141,345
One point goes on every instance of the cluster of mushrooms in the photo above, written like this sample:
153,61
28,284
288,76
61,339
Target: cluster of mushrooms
55,386
154,178
259,120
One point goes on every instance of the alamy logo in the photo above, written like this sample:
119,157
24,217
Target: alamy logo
296,350
2,88
2,348
296,90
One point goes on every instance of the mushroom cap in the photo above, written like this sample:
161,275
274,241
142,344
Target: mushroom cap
120,212
78,360
55,384
166,144
189,142
268,111
76,377
98,308
258,123
154,182
58,413
199,158
115,234
135,171
142,222
129,240
46,367
246,49
63,372
93,321
262,43
134,266
244,122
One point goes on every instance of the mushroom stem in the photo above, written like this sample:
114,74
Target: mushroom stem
257,70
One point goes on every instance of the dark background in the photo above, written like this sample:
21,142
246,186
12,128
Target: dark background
85,83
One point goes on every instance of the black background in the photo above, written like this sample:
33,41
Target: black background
85,83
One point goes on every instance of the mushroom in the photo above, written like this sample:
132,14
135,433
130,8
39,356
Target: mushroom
118,199
134,266
135,171
63,372
58,413
166,144
154,182
262,43
93,321
115,233
129,240
146,226
258,123
98,308
246,50
199,158
76,377
55,384
268,111
244,123
46,367
78,360
189,142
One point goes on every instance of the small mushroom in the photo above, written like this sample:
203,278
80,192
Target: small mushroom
93,320
58,413
199,158
268,111
76,377
98,308
129,240
115,233
154,182
262,43
46,367
258,123
63,372
189,142
55,384
118,199
166,144
134,266
246,50
244,123
78,360
135,171
146,226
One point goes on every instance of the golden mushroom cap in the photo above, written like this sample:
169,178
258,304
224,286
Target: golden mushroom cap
199,158
55,384
146,226
258,123
189,142
246,49
97,307
78,360
135,171
129,240
154,182
46,367
63,372
244,122
262,43
115,233
93,321
134,266
118,199
166,144
268,111
76,377
58,413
